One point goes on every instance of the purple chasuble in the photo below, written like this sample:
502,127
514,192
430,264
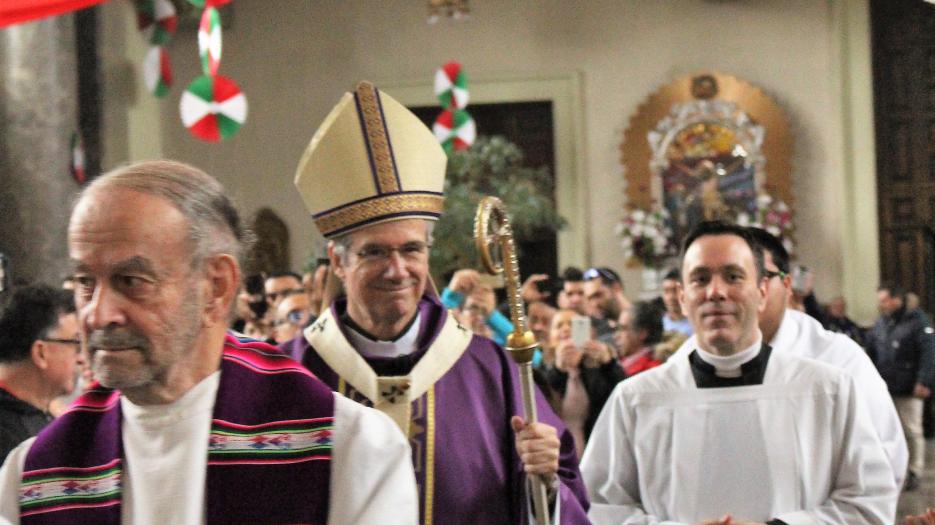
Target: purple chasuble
463,450
269,451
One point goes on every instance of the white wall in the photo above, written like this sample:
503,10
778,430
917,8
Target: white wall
294,58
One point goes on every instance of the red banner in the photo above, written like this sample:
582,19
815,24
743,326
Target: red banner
18,11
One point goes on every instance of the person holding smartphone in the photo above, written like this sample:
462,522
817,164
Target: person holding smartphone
585,372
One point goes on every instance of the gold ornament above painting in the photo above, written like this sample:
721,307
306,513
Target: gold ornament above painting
706,146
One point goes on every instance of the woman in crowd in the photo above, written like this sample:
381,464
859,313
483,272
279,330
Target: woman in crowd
582,377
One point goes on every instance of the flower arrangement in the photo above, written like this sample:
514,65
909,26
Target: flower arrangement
774,216
646,236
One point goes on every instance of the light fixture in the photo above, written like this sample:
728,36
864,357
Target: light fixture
453,9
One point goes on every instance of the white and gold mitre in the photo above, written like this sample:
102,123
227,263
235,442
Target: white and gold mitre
371,161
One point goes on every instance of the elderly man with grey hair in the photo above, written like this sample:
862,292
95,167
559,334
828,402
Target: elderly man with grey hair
190,423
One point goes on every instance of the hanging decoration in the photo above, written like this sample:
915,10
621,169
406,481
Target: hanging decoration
77,164
209,41
157,20
451,86
157,71
201,4
454,128
213,108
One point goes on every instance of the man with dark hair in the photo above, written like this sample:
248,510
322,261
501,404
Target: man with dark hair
705,439
40,356
638,329
673,320
791,331
903,346
191,423
603,292
279,285
572,294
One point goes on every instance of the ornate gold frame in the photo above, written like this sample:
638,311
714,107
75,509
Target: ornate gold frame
635,151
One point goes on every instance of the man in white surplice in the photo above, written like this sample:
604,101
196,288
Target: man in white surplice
733,432
796,333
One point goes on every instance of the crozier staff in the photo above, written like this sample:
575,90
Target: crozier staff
392,345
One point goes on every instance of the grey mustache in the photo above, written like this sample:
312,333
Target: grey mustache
116,339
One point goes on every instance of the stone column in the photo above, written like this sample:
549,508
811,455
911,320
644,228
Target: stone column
38,114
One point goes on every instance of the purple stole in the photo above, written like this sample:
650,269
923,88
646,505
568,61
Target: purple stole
269,452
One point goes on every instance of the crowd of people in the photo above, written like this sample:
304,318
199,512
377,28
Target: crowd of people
167,387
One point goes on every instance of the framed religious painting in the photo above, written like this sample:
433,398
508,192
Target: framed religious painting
707,146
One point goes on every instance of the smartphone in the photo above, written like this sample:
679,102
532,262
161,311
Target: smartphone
580,330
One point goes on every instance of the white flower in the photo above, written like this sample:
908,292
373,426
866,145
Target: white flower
639,215
743,219
774,230
763,200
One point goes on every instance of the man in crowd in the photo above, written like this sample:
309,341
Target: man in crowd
603,291
673,320
466,292
793,332
836,320
572,295
39,360
191,424
638,329
292,315
903,344
540,316
391,344
278,285
706,438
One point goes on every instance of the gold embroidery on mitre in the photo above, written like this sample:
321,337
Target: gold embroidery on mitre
377,137
386,205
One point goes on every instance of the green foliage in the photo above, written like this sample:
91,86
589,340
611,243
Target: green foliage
492,166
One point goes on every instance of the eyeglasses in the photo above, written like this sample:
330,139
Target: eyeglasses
75,342
411,252
604,274
770,274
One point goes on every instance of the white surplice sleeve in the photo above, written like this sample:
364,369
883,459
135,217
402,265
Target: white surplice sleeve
10,474
864,491
372,481
609,469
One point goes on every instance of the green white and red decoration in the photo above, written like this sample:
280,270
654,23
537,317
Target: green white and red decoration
157,71
209,41
201,4
451,86
455,130
213,108
157,20
77,165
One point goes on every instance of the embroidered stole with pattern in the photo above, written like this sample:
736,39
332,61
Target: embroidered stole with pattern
260,468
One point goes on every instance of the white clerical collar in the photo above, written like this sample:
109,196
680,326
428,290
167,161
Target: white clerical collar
404,345
729,366
198,399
